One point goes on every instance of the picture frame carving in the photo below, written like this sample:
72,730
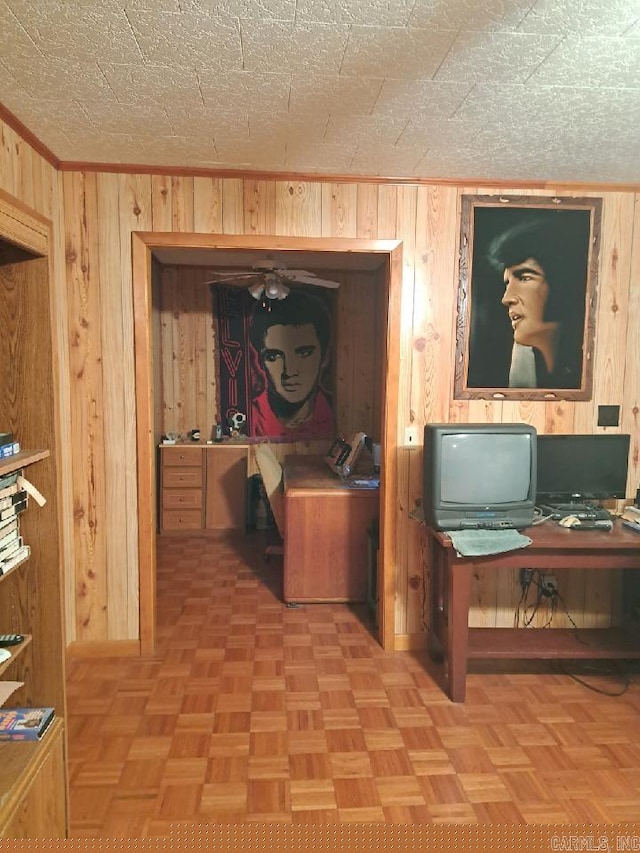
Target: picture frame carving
526,300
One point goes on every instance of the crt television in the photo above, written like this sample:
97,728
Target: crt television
479,476
578,468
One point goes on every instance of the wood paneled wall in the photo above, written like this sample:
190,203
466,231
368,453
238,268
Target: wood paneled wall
93,298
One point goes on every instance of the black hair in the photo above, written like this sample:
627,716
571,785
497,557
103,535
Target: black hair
299,308
560,244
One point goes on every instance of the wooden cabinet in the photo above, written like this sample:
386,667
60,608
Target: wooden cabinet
203,487
327,532
32,772
226,502
182,488
33,776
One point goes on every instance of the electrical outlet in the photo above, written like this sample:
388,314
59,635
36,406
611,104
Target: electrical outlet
411,436
526,576
549,585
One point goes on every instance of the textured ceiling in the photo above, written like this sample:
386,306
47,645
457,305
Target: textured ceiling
508,90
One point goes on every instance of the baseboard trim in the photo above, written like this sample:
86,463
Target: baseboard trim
410,642
103,649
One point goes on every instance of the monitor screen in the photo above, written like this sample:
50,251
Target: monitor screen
502,468
582,466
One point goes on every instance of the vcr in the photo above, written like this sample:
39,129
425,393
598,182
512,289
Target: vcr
585,512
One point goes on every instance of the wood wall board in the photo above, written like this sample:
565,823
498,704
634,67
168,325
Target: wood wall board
613,298
367,211
167,392
232,206
298,209
406,224
88,425
630,410
207,204
113,388
161,218
135,214
260,207
339,210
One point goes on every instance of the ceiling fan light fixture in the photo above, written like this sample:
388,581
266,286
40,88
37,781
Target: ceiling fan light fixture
256,290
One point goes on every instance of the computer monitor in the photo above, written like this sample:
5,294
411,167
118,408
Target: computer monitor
582,467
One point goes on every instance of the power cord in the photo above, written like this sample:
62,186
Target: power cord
532,578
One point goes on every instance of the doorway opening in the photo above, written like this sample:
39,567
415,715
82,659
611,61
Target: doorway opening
381,258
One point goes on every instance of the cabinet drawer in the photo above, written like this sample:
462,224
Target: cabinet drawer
181,499
182,456
176,478
188,519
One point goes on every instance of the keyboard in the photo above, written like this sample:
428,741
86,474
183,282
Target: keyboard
585,512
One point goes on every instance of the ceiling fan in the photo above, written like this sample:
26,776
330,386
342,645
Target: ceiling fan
268,280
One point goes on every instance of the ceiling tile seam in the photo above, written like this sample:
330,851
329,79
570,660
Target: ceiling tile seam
631,27
434,76
344,50
525,16
548,56
133,34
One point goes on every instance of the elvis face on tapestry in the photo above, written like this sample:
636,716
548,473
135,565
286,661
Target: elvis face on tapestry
275,362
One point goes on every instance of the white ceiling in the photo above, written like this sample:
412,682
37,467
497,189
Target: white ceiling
508,90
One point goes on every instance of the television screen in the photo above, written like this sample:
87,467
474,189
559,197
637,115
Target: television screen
582,467
502,468
479,475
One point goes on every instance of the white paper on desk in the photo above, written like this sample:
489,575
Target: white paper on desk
7,688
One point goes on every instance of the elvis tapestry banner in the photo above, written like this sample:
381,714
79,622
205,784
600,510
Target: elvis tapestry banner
275,362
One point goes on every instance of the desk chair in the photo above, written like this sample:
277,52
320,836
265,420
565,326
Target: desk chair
272,478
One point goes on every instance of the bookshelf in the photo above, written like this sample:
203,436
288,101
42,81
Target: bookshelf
33,775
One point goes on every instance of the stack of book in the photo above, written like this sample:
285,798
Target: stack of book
13,501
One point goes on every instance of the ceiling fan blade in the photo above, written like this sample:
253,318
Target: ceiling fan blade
310,278
236,278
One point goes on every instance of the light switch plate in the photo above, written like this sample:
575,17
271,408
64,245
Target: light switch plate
411,436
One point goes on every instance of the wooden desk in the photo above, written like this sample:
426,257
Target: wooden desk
554,548
326,529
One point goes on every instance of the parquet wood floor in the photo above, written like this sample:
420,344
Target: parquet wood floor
254,711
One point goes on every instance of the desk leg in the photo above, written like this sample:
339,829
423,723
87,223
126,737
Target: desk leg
435,640
458,582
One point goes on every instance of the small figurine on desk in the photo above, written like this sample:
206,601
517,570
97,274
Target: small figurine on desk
237,421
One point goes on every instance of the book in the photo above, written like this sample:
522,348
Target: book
5,522
11,511
24,723
10,500
7,540
9,490
21,554
9,479
8,550
7,529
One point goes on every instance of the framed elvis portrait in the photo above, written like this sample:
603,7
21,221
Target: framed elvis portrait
527,285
